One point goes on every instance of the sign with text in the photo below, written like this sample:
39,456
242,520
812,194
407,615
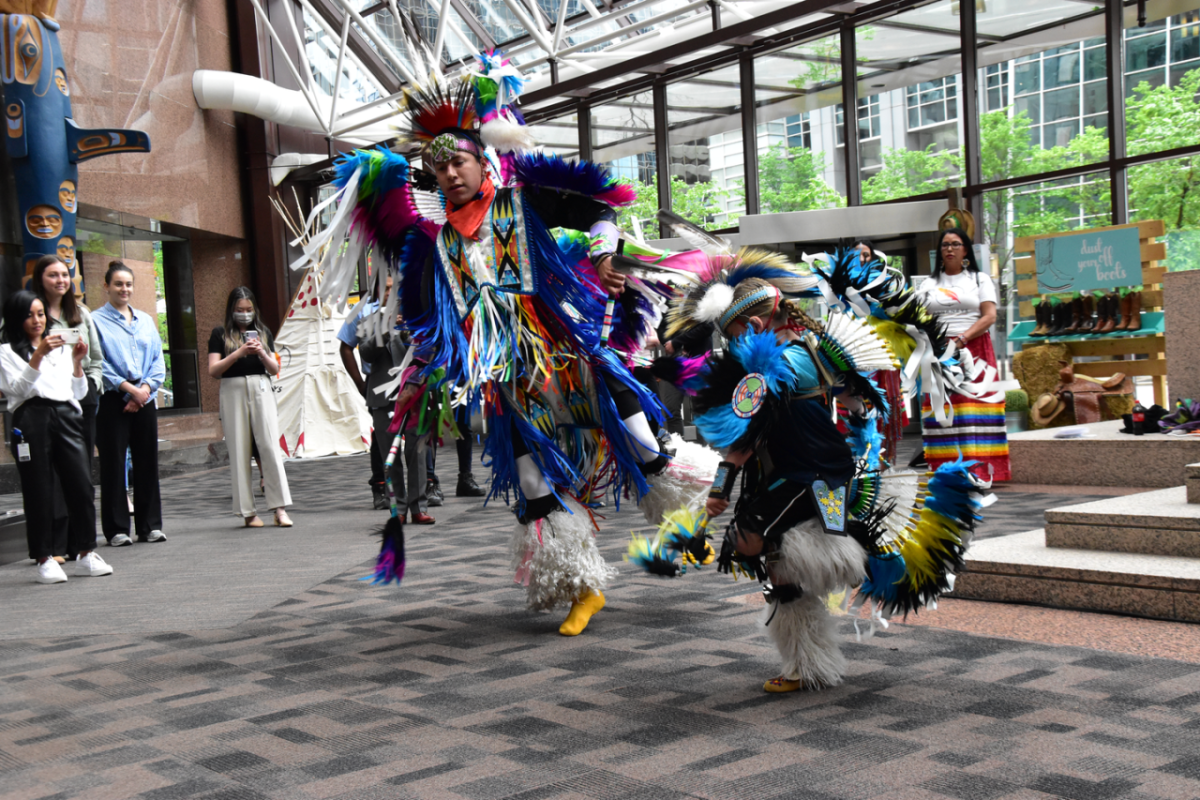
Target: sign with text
1089,261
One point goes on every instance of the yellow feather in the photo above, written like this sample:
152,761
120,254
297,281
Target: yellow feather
901,344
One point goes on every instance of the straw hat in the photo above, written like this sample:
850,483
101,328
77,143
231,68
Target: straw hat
1046,408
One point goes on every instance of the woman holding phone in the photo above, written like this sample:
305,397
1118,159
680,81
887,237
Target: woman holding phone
53,285
240,356
43,380
127,418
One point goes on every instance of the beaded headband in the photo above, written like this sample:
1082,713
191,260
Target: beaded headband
735,310
445,145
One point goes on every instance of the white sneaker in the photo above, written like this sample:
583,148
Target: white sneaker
92,566
120,540
50,571
154,536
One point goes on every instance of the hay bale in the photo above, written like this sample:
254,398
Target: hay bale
1112,406
1036,369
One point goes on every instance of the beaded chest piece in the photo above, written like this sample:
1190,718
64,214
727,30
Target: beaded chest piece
500,259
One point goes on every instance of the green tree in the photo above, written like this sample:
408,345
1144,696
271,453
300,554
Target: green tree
790,179
1161,118
699,203
911,172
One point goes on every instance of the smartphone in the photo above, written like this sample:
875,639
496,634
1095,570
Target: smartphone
70,336
251,335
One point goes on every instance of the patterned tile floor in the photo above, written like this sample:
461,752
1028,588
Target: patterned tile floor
278,674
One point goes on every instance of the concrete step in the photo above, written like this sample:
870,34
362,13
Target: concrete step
190,456
1153,461
171,426
1151,523
1020,568
1192,475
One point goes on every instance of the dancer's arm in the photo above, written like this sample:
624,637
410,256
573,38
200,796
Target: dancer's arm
738,458
578,213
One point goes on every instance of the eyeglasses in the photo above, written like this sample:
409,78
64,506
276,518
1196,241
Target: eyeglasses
952,245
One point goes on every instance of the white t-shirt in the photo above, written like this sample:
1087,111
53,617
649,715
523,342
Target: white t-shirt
955,299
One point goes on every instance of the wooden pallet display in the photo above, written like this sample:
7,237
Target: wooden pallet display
1149,341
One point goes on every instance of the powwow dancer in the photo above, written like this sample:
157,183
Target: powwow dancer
814,515
504,317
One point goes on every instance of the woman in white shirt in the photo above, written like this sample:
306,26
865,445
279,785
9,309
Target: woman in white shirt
43,381
964,300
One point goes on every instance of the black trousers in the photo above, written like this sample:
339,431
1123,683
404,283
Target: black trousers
62,519
376,479
116,431
672,400
54,433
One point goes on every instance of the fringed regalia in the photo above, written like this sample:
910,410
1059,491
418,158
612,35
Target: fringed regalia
828,516
508,319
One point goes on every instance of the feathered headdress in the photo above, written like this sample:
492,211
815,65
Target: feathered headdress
711,302
497,84
442,118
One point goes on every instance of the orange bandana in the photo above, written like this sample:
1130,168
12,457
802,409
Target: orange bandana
467,218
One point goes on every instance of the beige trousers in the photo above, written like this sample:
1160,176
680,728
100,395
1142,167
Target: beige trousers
248,407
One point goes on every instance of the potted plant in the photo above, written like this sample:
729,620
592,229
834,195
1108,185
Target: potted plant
1016,411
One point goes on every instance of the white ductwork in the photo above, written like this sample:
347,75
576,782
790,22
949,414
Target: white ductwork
283,164
231,91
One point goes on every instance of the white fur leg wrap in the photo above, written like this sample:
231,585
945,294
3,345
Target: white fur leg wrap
686,479
819,562
803,630
804,633
557,558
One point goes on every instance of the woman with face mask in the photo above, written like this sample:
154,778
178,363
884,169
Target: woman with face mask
240,355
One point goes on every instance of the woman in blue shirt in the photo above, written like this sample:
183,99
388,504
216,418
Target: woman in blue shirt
133,371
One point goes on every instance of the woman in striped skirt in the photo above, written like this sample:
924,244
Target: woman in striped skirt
964,300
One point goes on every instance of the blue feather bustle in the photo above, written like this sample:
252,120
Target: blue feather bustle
552,171
785,368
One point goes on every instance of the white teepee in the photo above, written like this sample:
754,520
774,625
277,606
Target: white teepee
321,412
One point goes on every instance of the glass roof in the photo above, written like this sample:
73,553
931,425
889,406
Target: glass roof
570,41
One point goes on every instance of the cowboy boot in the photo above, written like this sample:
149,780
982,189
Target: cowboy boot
1134,322
1062,317
1051,316
1086,322
1039,314
1123,302
1101,314
1076,317
1110,314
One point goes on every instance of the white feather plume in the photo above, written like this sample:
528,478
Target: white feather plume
715,302
506,135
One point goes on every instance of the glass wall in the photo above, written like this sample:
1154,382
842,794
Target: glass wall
908,102
559,135
1162,78
798,102
1042,108
704,120
623,140
1169,190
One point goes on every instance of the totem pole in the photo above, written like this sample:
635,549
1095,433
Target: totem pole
43,142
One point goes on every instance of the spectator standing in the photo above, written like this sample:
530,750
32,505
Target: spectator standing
127,418
52,284
241,356
964,300
44,382
378,360
348,337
